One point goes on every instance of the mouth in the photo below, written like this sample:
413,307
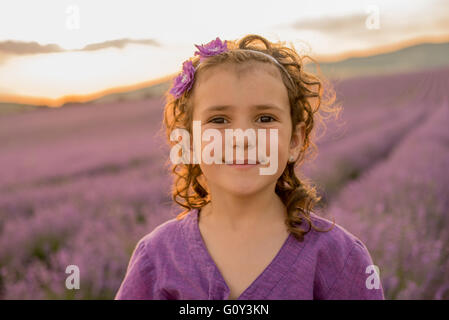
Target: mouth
246,162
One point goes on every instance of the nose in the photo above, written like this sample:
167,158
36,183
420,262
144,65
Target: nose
249,138
240,144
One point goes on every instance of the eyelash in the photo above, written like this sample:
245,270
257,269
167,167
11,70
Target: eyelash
211,120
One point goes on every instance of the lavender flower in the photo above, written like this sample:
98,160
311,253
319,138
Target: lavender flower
184,80
211,49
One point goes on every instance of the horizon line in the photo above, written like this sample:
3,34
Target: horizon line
85,98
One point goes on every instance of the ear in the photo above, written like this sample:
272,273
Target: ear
298,136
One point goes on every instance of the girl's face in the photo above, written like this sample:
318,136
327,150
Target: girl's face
242,93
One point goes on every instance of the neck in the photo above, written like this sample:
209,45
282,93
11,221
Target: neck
244,213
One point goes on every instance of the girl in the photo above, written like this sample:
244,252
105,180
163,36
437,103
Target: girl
243,234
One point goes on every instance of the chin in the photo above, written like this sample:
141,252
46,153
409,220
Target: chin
243,187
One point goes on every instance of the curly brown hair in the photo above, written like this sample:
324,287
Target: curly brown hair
306,96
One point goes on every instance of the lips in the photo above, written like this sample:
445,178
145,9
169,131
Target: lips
246,161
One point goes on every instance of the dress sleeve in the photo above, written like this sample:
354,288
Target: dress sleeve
138,281
359,279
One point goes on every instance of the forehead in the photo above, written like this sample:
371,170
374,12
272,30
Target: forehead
240,85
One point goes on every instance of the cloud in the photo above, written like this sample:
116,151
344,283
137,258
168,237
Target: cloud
119,44
20,47
333,24
354,25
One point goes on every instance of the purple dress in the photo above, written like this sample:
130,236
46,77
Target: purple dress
172,262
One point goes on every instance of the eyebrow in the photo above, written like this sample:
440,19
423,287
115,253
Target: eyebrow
257,107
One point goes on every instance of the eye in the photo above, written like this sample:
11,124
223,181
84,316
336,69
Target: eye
218,120
267,118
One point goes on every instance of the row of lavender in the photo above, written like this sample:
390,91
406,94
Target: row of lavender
378,113
399,209
80,187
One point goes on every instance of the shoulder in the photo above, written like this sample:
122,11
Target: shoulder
168,237
163,235
338,239
336,246
141,271
148,257
343,261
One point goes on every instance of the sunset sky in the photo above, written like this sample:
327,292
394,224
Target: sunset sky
54,48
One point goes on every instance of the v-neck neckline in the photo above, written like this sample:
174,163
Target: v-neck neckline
262,285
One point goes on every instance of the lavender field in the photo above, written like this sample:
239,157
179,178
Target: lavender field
82,184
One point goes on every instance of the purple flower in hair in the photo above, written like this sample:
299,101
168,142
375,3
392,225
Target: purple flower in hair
184,80
211,49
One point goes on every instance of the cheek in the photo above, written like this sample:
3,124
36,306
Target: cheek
213,173
284,148
206,169
282,142
209,145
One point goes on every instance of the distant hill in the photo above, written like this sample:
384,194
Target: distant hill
9,108
409,59
156,90
413,58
